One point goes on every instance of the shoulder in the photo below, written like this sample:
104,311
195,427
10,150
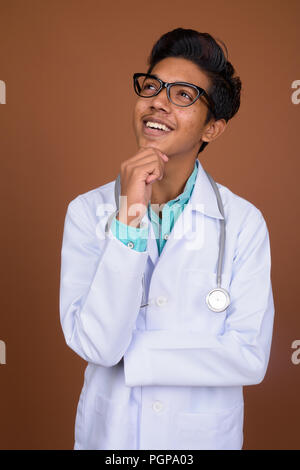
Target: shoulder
94,203
247,227
239,212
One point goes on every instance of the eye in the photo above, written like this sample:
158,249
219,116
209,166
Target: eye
184,93
149,84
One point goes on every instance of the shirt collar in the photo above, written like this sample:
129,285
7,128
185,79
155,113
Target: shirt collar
185,195
199,191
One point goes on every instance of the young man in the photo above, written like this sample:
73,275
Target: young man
167,366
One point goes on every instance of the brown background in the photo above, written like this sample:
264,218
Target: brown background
65,129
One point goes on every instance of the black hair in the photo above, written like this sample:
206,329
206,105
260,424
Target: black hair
204,51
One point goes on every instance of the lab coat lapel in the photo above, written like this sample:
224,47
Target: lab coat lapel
152,245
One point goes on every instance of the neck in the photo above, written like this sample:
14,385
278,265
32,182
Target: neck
176,175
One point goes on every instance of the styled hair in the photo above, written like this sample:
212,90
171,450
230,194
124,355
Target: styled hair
203,50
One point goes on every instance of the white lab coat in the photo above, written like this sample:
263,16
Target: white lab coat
171,375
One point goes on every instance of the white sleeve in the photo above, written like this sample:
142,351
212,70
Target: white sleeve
240,355
100,289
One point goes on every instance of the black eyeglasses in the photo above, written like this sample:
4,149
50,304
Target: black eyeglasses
179,93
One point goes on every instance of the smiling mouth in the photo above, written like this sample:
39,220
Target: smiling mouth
152,131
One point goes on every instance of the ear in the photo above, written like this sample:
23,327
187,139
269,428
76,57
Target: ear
213,129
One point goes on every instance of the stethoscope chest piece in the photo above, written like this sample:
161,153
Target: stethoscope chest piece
218,299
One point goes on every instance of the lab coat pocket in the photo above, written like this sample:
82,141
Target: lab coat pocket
195,313
211,430
113,424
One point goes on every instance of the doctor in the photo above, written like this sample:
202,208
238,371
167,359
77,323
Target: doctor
166,371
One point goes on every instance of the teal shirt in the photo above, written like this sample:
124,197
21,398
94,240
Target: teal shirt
136,238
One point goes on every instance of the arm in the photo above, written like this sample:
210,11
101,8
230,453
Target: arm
237,357
100,289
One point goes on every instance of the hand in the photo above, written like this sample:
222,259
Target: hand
138,173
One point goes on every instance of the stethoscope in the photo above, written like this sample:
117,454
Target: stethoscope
218,298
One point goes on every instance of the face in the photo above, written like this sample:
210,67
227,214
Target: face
187,122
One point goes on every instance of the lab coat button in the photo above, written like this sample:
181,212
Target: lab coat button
130,244
157,406
166,236
161,300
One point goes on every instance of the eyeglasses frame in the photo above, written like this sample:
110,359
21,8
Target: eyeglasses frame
167,85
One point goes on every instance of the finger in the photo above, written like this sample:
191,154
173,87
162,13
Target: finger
151,169
152,178
152,161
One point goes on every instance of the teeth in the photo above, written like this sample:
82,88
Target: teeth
157,125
